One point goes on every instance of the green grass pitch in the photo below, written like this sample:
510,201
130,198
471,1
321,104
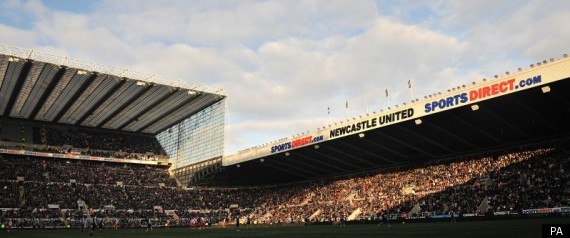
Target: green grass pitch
476,229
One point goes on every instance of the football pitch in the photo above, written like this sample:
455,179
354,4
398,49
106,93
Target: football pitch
478,229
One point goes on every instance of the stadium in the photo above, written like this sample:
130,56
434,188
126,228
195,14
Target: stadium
86,146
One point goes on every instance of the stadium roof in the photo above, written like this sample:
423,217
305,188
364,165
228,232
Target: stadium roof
47,88
531,105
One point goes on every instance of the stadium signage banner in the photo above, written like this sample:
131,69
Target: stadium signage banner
483,92
372,123
299,142
502,213
547,210
77,157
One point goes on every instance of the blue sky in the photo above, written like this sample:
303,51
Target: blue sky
284,63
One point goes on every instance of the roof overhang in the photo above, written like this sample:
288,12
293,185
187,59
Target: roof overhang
37,90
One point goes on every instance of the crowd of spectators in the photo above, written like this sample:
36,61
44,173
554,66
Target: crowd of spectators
17,166
528,177
97,140
532,177
36,218
82,171
533,183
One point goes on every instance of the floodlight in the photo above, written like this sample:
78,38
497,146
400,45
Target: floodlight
418,121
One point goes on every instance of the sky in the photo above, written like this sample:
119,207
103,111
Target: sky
293,66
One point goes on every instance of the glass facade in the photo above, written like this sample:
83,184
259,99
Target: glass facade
191,174
197,138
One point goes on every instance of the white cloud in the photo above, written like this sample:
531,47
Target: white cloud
17,37
226,23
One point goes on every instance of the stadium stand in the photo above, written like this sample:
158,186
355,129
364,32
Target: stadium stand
510,180
86,172
437,189
98,140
